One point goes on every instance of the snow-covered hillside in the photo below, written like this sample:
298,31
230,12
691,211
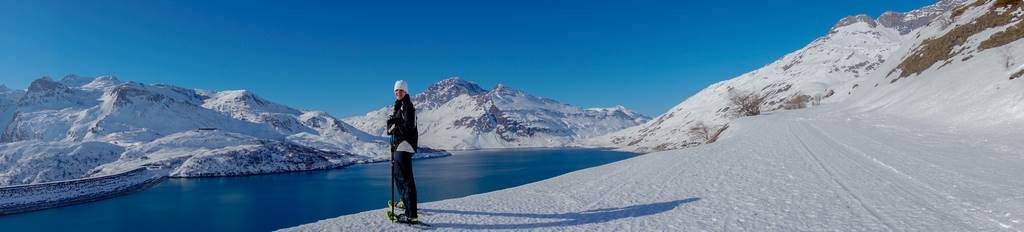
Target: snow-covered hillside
828,70
804,170
963,72
78,127
458,114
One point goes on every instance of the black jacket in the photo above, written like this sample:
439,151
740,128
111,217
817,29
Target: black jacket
403,117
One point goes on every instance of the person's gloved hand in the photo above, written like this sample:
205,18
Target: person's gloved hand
394,120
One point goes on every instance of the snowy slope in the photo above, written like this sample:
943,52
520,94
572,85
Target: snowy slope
973,89
458,114
78,127
41,161
830,68
804,170
219,153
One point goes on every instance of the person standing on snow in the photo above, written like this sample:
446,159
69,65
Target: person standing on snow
402,128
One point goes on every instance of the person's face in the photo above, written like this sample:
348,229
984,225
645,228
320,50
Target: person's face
399,94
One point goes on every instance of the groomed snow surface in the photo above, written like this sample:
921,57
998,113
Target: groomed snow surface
803,170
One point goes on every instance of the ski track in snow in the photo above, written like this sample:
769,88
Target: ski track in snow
781,172
836,180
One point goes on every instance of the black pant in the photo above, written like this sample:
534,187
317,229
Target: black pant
405,182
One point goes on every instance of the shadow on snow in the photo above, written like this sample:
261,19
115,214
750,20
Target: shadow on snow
568,219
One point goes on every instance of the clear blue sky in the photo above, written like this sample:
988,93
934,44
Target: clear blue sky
342,57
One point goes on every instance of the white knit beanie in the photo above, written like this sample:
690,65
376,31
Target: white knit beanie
400,84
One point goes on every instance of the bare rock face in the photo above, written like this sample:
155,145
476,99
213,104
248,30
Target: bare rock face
910,21
850,20
8,101
47,92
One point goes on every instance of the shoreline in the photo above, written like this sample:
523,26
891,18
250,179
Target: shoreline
93,194
25,198
34,197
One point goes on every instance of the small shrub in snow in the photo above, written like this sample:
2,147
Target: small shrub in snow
1017,75
1007,56
717,132
1005,3
798,101
816,99
701,131
709,134
744,104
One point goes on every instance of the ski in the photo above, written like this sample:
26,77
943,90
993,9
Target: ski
418,225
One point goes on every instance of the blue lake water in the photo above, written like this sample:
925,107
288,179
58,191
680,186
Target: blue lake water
268,202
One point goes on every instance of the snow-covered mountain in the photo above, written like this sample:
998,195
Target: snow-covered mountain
458,114
78,127
859,54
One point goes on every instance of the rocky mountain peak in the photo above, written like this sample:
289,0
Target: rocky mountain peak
44,90
45,93
102,82
124,94
850,20
75,80
446,90
106,78
909,21
237,101
45,84
454,84
505,90
241,95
